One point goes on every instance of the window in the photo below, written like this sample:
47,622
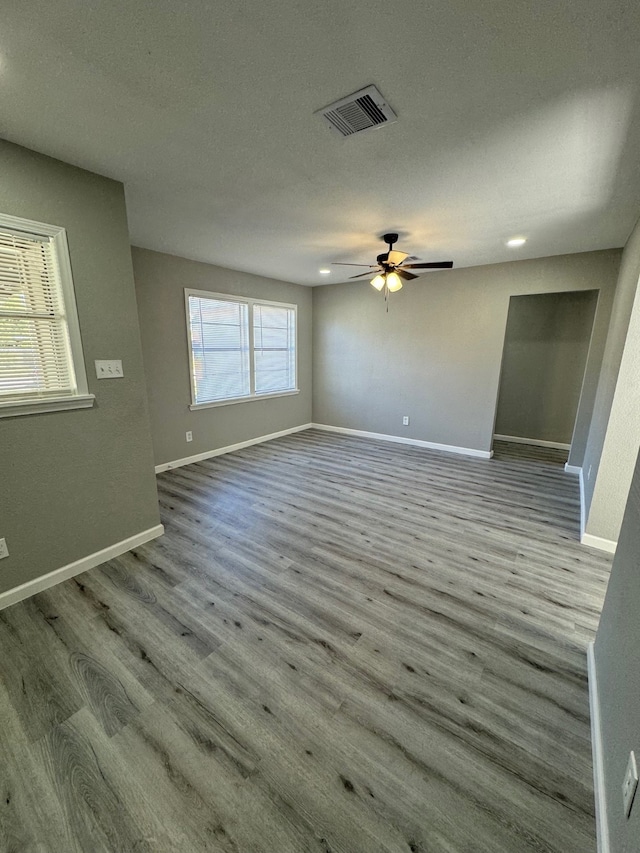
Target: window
274,348
41,364
219,349
240,349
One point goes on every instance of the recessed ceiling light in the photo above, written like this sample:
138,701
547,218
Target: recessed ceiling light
325,272
516,241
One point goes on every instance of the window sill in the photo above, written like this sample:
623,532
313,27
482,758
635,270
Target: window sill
14,408
250,399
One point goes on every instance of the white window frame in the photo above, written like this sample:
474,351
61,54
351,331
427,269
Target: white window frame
80,398
250,302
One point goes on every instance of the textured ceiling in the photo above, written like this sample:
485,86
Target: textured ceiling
515,118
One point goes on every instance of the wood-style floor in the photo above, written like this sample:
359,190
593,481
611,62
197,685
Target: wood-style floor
339,645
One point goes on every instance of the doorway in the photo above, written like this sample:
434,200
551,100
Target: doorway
543,364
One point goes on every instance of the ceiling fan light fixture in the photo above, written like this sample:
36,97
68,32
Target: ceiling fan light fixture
394,282
396,258
392,268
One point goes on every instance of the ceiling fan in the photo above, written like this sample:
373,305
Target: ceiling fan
391,268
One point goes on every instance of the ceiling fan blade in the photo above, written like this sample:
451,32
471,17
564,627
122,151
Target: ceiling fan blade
340,264
362,275
404,274
434,265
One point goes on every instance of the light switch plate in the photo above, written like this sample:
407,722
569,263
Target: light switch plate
630,784
110,369
4,551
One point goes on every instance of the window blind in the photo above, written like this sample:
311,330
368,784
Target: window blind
219,331
35,354
274,342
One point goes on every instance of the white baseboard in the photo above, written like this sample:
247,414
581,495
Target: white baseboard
537,442
597,750
198,457
399,439
25,590
587,538
598,542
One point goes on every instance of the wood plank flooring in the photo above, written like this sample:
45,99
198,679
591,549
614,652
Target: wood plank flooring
339,645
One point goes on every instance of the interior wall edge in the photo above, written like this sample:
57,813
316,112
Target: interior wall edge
583,504
597,750
588,539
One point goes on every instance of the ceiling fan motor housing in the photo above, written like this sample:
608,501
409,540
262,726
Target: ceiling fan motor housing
389,239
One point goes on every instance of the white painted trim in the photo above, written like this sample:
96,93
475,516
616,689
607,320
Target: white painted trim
537,442
399,439
39,405
57,235
25,590
220,451
597,750
598,542
248,399
572,469
30,226
76,352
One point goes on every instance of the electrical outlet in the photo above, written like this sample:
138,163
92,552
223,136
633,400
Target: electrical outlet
4,551
405,420
630,784
109,369
189,435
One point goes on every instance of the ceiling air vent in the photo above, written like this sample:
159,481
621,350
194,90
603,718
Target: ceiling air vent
361,111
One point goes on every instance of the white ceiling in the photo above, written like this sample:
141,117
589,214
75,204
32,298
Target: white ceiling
515,118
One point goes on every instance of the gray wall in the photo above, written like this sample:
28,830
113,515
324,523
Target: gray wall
543,364
436,355
617,653
614,437
75,482
160,282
